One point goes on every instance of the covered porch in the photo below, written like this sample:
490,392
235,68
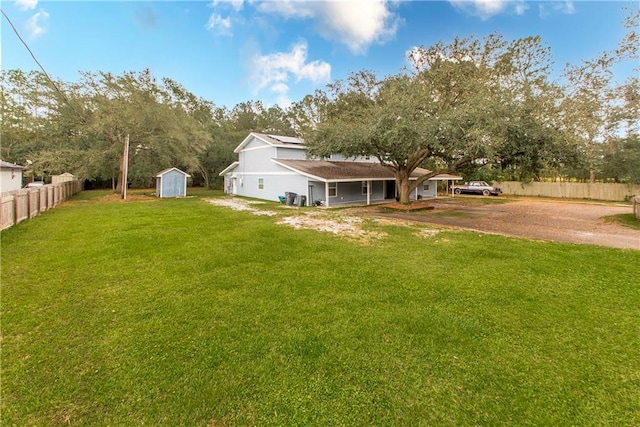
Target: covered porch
339,183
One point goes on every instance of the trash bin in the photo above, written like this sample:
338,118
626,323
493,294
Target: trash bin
303,201
290,198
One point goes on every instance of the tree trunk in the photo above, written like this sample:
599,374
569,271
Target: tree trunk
118,189
402,180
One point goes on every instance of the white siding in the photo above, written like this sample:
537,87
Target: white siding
274,184
10,180
290,153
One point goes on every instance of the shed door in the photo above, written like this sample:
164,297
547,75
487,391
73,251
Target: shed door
173,184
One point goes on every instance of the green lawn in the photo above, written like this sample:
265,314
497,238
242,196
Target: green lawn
177,312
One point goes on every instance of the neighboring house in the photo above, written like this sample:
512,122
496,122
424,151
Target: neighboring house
171,182
55,179
269,166
10,176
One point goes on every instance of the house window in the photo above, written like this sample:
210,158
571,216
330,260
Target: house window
260,183
365,187
426,187
333,189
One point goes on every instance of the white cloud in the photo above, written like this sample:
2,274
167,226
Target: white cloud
219,25
356,24
236,5
26,4
567,7
281,91
274,71
289,8
521,8
485,9
35,25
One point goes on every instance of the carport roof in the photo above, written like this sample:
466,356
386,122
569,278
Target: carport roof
327,170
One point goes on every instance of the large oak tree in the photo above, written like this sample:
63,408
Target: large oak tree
459,107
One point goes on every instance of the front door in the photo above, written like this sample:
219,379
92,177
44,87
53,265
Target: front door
390,192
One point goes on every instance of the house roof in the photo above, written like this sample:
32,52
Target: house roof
229,168
171,169
273,140
329,171
7,165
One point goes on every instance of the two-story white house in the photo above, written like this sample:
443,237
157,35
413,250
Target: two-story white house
270,166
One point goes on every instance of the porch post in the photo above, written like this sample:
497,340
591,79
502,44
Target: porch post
326,192
368,192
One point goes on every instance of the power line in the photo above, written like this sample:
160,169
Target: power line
55,86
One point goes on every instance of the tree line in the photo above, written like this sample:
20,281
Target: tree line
486,108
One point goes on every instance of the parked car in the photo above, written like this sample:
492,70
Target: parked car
34,184
477,187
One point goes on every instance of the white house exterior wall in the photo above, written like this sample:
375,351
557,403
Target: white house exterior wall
290,153
430,191
10,180
255,167
274,184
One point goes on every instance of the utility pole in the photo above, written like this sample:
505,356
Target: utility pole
125,168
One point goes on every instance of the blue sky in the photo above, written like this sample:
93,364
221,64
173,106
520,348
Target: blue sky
277,51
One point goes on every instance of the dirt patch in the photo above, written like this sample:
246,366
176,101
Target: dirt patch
130,197
530,218
342,225
242,205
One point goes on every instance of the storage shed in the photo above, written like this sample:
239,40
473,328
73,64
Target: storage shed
10,176
56,179
171,182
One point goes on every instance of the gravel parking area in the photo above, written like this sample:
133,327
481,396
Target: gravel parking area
559,221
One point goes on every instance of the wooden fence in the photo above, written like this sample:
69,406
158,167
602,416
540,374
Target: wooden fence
572,190
24,204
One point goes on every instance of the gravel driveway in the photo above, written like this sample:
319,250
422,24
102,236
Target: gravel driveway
531,218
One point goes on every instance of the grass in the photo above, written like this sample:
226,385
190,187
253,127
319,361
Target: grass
177,312
628,220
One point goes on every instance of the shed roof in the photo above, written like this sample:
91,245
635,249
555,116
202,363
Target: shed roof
326,170
7,165
172,169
